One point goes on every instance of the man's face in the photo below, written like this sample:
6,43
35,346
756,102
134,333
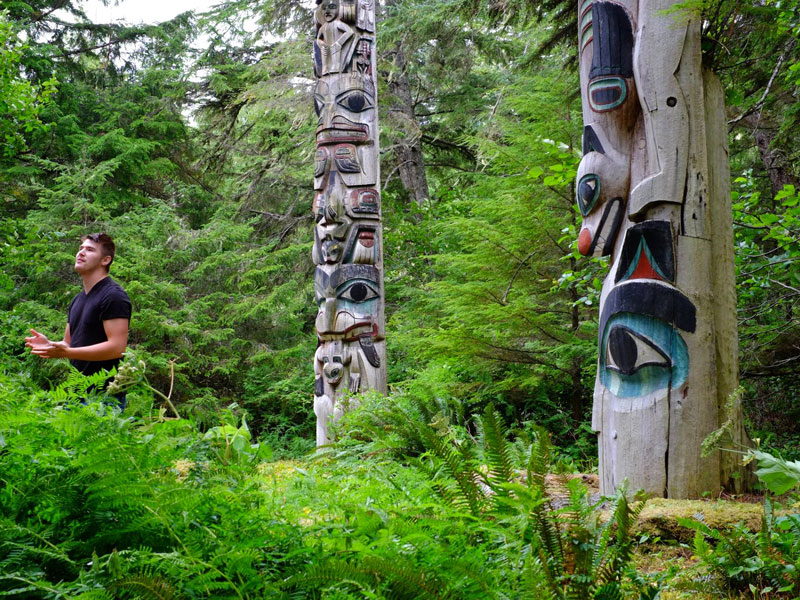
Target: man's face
331,9
90,257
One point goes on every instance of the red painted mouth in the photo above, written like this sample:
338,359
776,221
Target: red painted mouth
367,238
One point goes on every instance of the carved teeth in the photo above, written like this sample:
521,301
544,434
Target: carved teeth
327,136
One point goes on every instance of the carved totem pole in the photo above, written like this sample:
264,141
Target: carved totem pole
653,189
348,279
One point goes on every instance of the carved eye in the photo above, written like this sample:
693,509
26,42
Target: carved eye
607,93
355,101
640,355
358,291
628,352
588,193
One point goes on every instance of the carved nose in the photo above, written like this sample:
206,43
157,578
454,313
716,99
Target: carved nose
327,315
326,117
584,242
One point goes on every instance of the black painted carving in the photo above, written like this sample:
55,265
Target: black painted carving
365,202
625,351
588,193
347,272
613,41
613,206
658,237
651,299
591,143
368,346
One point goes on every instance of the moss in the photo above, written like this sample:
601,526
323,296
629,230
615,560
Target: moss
695,595
658,557
660,516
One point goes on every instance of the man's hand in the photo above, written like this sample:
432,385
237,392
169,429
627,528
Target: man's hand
41,346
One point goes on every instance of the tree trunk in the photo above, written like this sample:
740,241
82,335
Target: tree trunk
775,161
408,149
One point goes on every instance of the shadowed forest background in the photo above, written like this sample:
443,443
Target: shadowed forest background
191,142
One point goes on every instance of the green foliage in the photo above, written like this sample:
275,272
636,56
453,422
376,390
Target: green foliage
198,161
235,442
763,117
777,474
220,290
765,562
20,101
150,506
560,544
109,505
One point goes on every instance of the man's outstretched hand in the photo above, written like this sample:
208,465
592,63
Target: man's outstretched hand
41,346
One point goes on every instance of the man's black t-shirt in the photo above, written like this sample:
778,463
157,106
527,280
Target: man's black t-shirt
106,300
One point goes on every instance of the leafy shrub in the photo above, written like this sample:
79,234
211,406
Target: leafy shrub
94,499
766,562
548,546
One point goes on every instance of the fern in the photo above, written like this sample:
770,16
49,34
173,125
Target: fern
80,386
146,586
461,485
496,451
741,559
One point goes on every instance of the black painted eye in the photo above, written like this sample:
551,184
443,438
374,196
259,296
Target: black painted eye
355,101
358,292
628,352
588,193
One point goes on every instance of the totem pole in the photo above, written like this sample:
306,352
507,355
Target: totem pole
348,279
653,190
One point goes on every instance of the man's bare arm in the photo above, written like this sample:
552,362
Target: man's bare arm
116,332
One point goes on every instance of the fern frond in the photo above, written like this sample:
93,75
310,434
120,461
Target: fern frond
330,572
458,463
539,458
146,585
405,580
497,451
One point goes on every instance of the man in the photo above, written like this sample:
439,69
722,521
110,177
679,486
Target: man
97,324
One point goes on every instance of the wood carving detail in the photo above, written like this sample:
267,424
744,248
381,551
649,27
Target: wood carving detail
641,192
348,280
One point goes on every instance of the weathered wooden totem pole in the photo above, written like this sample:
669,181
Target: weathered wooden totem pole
653,189
348,279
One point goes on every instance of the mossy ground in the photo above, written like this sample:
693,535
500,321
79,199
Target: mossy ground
666,546
660,516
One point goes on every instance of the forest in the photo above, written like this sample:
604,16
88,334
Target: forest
191,142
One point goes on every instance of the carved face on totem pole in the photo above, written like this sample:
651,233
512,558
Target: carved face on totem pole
642,349
348,279
632,195
345,170
610,112
348,296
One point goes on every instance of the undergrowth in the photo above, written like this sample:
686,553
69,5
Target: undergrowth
414,500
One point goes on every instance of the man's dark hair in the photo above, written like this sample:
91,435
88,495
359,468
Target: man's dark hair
106,244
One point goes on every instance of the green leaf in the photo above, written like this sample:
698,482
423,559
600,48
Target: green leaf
776,473
535,172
